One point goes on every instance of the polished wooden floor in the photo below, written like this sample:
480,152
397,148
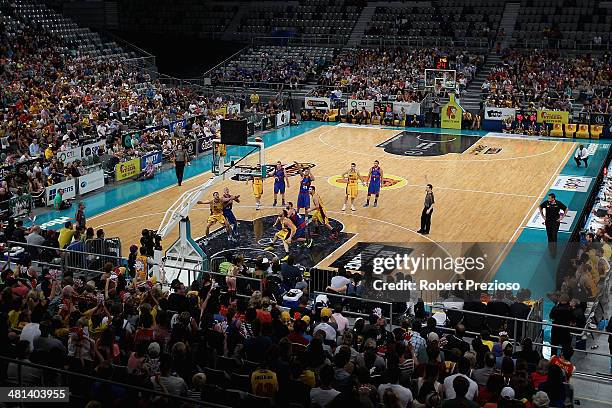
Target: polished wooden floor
478,197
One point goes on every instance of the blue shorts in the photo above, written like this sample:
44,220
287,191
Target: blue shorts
279,187
299,233
230,217
374,188
303,200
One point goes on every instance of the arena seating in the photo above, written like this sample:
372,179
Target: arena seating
186,16
334,19
443,22
548,80
74,37
561,22
275,64
408,67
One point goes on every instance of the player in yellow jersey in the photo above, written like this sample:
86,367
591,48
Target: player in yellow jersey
317,210
352,177
216,212
257,182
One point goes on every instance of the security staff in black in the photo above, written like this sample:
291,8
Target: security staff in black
555,211
427,210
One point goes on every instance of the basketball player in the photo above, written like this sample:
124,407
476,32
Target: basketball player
228,213
352,177
289,232
303,196
216,212
374,182
257,182
318,212
281,180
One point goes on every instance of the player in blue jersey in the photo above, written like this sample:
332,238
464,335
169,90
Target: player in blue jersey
303,195
281,182
374,183
229,214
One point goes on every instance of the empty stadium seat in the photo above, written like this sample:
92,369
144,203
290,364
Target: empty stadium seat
583,131
557,130
570,129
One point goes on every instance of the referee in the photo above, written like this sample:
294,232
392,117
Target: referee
180,159
427,210
553,212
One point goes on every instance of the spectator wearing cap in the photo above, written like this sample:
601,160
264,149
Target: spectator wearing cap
330,331
463,370
540,400
508,352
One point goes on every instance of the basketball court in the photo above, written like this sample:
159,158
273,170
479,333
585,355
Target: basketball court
487,186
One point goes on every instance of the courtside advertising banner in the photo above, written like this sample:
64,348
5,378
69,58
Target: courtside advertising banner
155,158
68,187
93,149
70,155
91,181
551,116
605,121
452,114
282,118
359,104
127,169
411,108
182,124
499,114
317,103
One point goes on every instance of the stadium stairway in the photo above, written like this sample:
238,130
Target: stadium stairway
508,22
233,25
360,26
472,97
473,94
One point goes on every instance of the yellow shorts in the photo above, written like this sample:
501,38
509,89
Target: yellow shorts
282,234
318,217
220,218
351,190
257,191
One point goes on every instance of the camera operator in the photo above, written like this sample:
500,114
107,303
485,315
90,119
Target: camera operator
146,241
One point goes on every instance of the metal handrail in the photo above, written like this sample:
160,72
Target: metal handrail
26,245
516,319
21,363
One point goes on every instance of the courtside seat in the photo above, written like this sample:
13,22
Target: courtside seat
583,131
570,129
596,131
557,130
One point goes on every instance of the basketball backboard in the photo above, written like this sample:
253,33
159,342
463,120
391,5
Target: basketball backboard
238,162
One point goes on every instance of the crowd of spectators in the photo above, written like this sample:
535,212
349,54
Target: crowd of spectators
273,68
53,99
224,333
395,74
549,80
